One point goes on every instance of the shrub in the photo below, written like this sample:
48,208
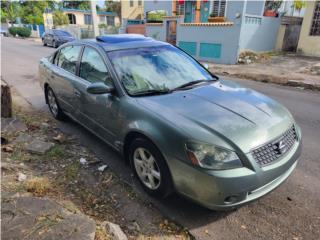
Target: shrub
13,31
23,32
102,25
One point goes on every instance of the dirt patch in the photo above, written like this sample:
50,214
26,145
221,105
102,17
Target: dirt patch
280,69
59,174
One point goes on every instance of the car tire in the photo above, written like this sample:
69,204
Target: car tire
53,105
54,44
151,170
44,43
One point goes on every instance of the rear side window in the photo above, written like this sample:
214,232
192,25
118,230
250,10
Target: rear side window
67,58
93,68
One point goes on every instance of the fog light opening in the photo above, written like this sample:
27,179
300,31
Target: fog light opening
231,199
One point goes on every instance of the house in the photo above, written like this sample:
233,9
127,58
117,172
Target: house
132,9
212,30
300,30
84,18
309,40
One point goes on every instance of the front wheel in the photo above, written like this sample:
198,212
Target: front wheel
54,44
150,168
54,107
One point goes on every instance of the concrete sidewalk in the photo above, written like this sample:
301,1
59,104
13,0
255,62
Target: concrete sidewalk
283,69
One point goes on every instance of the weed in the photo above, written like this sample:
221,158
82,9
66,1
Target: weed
101,233
38,186
57,151
72,171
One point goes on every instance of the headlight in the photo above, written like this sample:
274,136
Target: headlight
212,157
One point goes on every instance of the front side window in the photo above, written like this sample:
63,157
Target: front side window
93,68
67,58
155,68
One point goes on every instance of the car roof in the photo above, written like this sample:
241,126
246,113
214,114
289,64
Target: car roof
123,41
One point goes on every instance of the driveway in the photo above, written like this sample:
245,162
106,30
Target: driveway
290,212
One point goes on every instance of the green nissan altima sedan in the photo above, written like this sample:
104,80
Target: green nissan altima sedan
179,126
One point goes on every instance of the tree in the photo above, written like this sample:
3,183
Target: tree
9,11
32,11
29,11
59,18
82,5
113,6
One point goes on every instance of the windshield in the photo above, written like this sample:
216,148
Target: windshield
61,33
155,68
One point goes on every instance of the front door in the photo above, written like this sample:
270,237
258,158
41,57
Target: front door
96,111
188,15
205,11
63,75
171,31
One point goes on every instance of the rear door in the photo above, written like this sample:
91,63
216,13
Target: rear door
97,111
64,74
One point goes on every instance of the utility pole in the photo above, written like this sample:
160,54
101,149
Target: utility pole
94,18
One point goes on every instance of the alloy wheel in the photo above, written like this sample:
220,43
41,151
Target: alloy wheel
147,168
52,102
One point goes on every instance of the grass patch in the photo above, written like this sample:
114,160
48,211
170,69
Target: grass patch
38,186
57,151
19,154
101,233
72,171
44,224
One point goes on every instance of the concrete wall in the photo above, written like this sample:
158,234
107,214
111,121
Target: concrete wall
227,36
259,33
157,32
308,45
255,7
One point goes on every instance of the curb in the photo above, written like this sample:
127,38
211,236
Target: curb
272,79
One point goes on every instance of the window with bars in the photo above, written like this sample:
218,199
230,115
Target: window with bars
315,24
87,19
219,8
110,20
180,8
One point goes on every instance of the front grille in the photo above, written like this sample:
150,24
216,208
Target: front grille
275,149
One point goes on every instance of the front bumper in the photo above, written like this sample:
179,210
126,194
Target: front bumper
227,189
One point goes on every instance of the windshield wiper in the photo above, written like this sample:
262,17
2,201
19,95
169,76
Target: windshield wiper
183,86
152,92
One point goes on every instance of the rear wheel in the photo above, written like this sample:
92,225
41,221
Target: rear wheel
54,107
150,168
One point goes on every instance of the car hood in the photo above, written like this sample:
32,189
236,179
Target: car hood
243,118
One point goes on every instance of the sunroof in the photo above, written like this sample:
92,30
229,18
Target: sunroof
120,38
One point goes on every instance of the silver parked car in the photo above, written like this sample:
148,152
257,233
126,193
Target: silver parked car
179,126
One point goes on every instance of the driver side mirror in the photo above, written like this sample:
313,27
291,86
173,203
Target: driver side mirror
99,88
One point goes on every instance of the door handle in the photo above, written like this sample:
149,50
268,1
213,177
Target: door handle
77,93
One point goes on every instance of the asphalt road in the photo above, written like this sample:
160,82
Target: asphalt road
292,211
